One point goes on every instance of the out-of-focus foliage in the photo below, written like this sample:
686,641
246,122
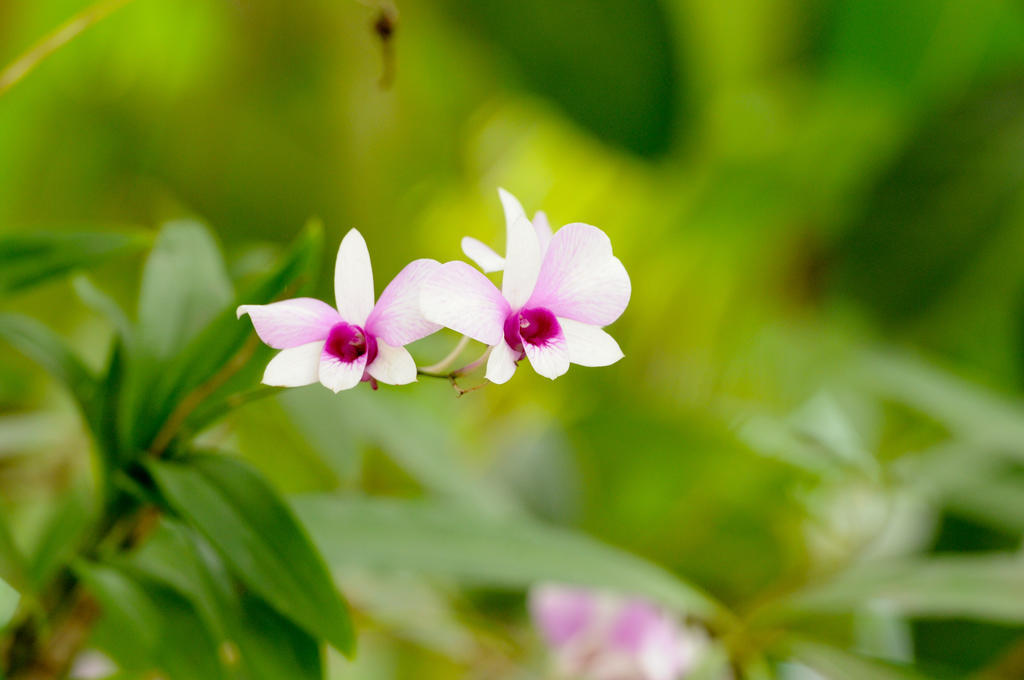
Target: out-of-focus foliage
818,422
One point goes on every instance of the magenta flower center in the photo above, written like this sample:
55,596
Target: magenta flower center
349,342
536,326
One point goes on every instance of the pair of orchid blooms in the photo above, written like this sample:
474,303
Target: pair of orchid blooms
557,292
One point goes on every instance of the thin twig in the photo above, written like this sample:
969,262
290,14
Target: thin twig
56,39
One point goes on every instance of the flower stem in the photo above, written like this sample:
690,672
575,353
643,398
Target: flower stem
440,366
53,41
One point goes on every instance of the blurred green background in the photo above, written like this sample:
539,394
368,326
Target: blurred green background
819,203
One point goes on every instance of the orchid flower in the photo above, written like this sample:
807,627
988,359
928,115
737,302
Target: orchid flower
552,304
600,636
488,260
357,341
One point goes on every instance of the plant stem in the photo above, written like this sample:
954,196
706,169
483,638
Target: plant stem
54,40
440,366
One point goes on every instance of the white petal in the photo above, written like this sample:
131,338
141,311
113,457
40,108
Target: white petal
393,365
550,359
522,253
463,299
397,316
522,263
353,279
543,229
338,375
295,366
589,345
290,323
580,278
511,205
501,365
482,254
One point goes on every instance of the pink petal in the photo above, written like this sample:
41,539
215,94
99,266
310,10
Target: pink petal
580,279
501,365
482,254
353,279
562,613
463,299
291,323
543,229
550,359
634,622
295,366
589,345
337,375
397,317
393,365
522,253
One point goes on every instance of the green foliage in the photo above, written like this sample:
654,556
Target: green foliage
9,598
257,535
30,259
166,631
989,588
513,553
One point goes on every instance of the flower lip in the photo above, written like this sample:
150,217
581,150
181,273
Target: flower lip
536,325
348,342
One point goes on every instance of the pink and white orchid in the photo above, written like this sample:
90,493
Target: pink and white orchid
595,635
357,341
488,260
554,299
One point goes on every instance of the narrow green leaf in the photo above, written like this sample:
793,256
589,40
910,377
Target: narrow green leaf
13,567
100,302
971,412
270,646
154,397
832,662
9,599
47,349
33,258
507,552
259,538
987,588
63,532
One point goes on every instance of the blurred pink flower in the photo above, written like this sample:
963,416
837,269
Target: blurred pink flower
599,636
358,340
553,301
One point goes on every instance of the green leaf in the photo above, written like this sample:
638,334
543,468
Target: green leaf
64,530
13,567
154,397
184,286
9,598
33,258
616,77
422,447
260,539
508,552
987,588
270,646
166,632
100,302
970,412
47,349
832,662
